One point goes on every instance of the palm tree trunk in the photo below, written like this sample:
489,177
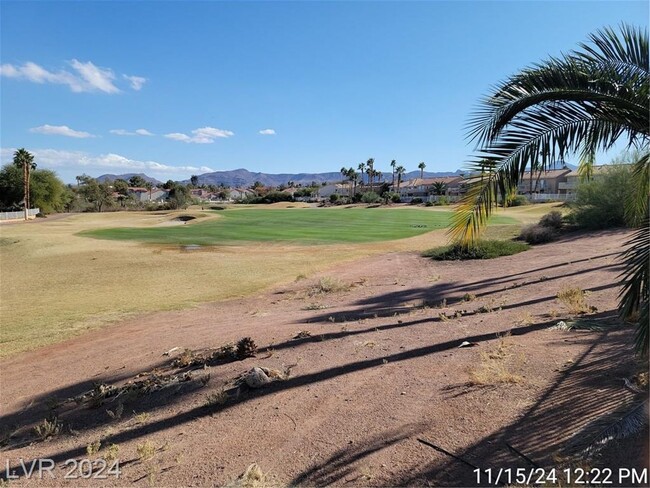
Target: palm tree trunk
25,190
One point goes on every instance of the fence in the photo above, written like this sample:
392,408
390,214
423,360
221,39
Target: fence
19,215
551,197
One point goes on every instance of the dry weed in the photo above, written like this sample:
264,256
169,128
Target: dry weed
574,300
495,366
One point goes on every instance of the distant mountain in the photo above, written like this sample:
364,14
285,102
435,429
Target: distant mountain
245,178
127,176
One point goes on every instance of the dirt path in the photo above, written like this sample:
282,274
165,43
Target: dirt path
377,366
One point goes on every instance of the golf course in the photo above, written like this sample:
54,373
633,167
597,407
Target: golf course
95,269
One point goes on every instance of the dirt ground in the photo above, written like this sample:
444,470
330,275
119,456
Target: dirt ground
372,369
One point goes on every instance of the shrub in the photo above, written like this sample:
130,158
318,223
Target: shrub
334,198
537,234
443,200
393,197
518,201
428,204
600,203
552,220
486,249
416,201
370,197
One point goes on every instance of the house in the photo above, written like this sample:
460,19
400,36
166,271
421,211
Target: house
239,193
141,194
574,178
542,182
340,189
425,188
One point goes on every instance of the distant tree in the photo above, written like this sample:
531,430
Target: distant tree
422,165
25,161
137,181
344,173
393,163
47,191
169,185
194,180
149,187
370,169
121,186
400,170
179,196
439,188
362,169
99,195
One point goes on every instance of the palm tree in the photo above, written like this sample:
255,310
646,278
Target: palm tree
400,170
581,102
422,165
370,169
362,169
24,160
343,172
439,188
393,163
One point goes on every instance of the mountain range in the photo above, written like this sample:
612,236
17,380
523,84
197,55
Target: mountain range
239,178
242,178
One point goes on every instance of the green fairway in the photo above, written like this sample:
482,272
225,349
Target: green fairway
300,225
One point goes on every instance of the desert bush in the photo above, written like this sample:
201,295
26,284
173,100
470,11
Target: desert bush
328,284
246,348
485,249
428,204
600,202
574,300
537,234
48,428
334,198
518,201
552,220
370,197
416,201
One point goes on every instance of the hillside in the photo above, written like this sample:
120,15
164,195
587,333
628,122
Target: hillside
244,178
127,176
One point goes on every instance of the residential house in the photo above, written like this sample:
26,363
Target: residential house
542,182
424,188
573,178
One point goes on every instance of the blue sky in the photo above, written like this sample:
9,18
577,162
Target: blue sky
329,84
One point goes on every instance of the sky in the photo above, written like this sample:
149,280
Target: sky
173,89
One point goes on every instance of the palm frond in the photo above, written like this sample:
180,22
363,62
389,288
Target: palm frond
634,294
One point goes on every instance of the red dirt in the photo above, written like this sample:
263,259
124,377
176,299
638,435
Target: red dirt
378,371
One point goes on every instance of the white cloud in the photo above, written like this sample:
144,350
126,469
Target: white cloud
203,135
60,130
177,136
82,161
135,81
85,77
138,132
268,132
94,77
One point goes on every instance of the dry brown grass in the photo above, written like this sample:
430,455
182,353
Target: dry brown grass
574,299
254,477
496,365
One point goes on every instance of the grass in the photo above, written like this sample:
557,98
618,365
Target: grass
574,300
487,249
57,287
495,366
304,226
